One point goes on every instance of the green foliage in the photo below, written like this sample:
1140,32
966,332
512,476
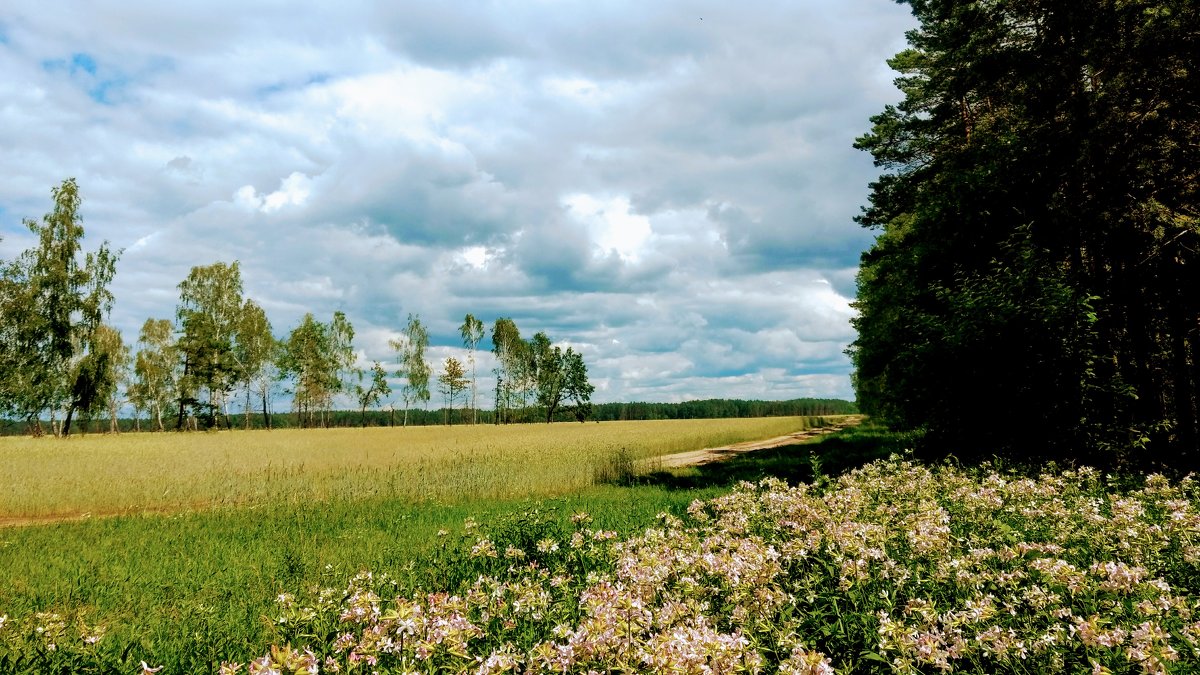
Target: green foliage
721,408
891,568
155,370
472,332
98,374
255,350
413,367
576,388
562,378
210,304
512,369
317,356
552,375
452,382
371,395
52,306
1037,218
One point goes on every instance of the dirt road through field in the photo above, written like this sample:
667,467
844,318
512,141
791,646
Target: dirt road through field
708,455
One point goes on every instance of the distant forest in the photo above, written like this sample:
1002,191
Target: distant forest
601,412
721,408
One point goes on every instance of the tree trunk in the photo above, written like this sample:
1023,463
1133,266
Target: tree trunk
474,392
1183,394
179,420
67,422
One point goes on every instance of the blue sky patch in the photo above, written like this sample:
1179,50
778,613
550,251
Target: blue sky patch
83,62
101,85
292,85
105,90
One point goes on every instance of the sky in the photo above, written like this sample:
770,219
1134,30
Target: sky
667,187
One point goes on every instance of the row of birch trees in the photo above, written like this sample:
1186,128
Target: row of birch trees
59,358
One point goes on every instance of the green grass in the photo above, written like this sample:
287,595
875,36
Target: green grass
192,589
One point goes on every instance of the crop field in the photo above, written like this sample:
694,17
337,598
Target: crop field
98,475
173,547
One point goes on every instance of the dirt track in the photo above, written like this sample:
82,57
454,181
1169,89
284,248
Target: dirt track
50,519
708,455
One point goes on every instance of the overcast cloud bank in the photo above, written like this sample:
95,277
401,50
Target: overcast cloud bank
667,187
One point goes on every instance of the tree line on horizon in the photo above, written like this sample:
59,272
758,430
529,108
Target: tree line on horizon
1032,289
389,416
59,359
719,408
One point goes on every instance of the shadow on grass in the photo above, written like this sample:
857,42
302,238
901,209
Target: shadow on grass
828,456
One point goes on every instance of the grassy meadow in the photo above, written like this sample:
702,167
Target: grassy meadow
189,538
854,564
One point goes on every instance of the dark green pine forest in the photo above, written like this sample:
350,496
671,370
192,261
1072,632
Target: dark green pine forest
1034,289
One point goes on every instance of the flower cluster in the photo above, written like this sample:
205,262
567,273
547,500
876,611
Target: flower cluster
894,567
47,637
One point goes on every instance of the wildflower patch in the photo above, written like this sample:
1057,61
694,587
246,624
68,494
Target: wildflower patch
894,567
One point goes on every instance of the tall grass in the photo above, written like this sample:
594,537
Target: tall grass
192,589
131,473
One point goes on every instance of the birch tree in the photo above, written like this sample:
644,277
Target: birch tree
372,393
509,350
155,369
210,304
55,301
451,382
472,333
305,359
413,368
254,350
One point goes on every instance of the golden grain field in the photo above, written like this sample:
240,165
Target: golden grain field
129,473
